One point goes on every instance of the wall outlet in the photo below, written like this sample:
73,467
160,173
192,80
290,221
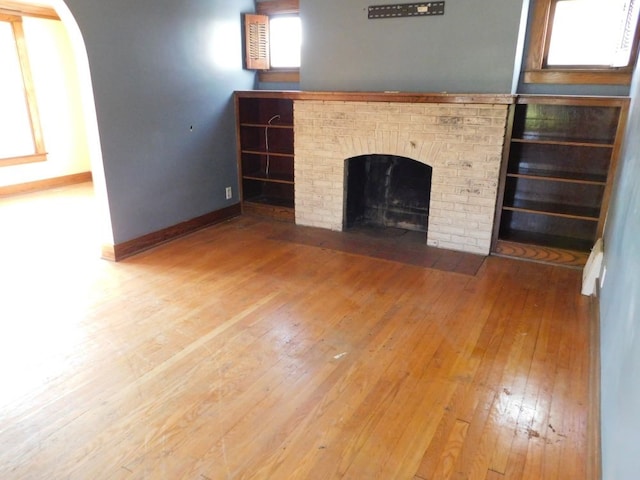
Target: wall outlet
228,193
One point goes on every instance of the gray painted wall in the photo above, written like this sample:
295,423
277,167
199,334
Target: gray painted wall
474,47
471,48
620,313
158,69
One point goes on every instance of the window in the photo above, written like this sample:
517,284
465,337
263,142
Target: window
21,139
273,37
285,38
583,41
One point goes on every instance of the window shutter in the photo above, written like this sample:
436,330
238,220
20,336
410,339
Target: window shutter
627,30
256,29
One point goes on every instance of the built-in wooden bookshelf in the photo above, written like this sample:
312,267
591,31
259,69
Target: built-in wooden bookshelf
265,153
560,159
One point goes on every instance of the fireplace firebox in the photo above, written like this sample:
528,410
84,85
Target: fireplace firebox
387,191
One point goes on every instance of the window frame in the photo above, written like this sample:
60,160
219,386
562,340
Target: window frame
273,8
40,153
536,70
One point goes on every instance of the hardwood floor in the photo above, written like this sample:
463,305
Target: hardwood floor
232,354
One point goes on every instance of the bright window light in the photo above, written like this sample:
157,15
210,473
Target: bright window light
16,138
285,39
592,33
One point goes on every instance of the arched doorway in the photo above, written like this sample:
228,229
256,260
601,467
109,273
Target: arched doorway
90,119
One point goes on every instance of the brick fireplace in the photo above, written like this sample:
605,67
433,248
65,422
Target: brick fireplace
461,139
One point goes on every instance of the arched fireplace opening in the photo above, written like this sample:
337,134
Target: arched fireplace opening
387,191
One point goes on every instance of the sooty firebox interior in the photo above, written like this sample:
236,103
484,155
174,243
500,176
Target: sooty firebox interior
387,191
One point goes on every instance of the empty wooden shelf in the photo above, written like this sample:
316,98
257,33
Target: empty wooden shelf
265,153
560,159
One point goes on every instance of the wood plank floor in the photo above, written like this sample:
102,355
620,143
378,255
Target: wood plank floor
231,354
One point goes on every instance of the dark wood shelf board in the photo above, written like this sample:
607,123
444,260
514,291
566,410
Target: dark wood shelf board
536,253
287,126
264,152
279,212
543,208
557,176
547,240
572,100
274,178
572,142
270,200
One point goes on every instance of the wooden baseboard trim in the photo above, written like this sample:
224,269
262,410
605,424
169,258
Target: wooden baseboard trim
46,184
594,439
126,249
